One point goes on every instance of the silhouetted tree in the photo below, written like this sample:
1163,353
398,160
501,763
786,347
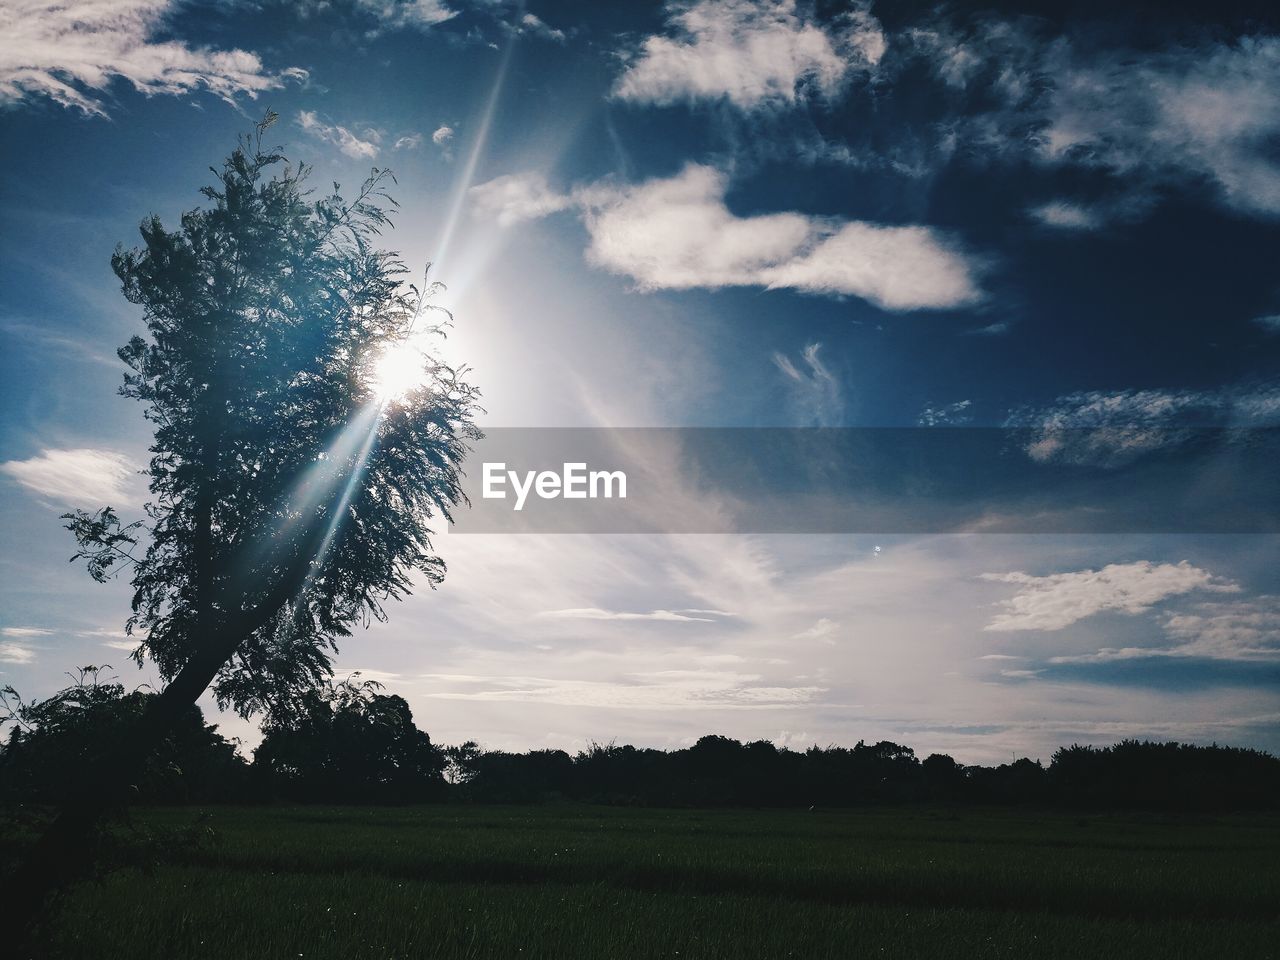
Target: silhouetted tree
347,742
290,498
51,740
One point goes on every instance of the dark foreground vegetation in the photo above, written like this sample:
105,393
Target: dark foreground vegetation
556,881
350,743
1138,850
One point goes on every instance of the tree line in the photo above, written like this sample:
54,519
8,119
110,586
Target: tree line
349,742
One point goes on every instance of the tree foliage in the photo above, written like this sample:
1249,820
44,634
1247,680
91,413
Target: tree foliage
51,741
289,502
348,742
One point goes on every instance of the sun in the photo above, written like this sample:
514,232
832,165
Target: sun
398,371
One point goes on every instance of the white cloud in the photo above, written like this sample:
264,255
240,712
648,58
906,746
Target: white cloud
16,653
516,198
25,632
1186,114
342,138
816,394
898,268
80,477
442,135
1211,112
678,233
1112,428
656,690
73,52
407,13
1243,630
1058,600
535,26
1239,630
750,53
823,629
1067,216
945,415
411,141
596,613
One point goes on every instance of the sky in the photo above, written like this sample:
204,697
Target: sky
711,213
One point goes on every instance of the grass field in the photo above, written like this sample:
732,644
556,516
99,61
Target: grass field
590,882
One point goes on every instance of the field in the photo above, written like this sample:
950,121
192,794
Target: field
592,882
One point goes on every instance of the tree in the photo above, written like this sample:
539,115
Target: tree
305,438
348,743
52,739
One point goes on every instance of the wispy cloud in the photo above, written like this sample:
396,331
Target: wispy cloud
1271,323
596,613
399,14
1060,599
25,632
16,653
1112,428
442,135
824,629
1235,630
79,477
815,392
360,147
749,53
657,690
950,414
1188,113
71,53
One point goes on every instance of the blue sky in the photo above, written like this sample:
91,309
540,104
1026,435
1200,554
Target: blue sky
729,213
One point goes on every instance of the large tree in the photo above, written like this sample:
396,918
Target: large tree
306,436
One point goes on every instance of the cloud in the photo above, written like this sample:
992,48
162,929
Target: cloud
679,234
442,135
1113,428
655,690
1210,112
342,138
1067,216
411,141
71,53
816,394
80,477
516,198
531,25
1242,630
418,14
1271,324
25,632
1058,600
596,613
823,629
16,653
1186,114
945,415
997,329
750,53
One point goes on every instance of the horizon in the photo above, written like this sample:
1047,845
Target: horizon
755,214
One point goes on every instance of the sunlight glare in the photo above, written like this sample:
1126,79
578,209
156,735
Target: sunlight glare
397,372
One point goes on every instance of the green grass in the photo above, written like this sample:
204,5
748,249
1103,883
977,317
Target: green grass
586,882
